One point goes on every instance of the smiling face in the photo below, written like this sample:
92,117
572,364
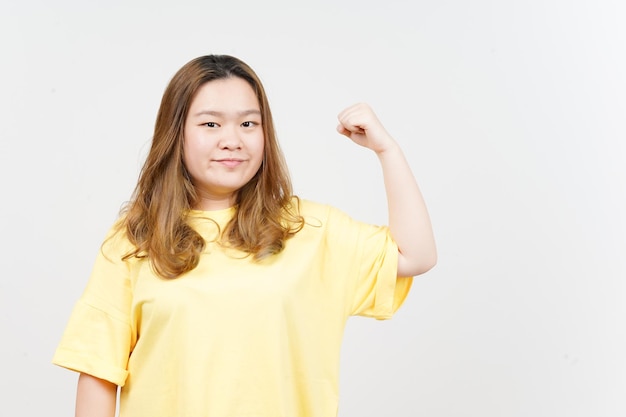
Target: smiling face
223,141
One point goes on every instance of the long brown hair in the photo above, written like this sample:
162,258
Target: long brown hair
155,218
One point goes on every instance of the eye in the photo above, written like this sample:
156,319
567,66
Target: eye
249,124
210,124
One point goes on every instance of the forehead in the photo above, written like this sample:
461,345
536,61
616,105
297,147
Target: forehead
225,94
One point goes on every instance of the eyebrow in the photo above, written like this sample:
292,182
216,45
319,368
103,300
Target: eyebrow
221,114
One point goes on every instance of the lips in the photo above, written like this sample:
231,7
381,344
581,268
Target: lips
230,162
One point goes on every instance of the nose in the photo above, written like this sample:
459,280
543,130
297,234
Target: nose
230,138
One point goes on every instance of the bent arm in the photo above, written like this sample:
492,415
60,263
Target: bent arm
409,221
95,397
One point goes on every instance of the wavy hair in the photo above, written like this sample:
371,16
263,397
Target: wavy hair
155,219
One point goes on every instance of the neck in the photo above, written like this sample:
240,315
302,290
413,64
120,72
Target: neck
213,203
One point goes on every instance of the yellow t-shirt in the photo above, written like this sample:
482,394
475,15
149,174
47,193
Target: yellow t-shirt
234,337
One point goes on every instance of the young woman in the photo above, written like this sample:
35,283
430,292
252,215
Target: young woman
220,294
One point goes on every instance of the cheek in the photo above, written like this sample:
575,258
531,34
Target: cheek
186,153
261,151
193,146
260,147
191,156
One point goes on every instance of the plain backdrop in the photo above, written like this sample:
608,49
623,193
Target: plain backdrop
511,113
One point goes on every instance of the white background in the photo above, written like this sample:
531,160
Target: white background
512,114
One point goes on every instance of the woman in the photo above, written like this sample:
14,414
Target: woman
218,292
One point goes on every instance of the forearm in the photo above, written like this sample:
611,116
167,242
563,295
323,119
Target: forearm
409,221
408,218
95,397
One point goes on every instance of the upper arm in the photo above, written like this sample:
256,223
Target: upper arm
95,397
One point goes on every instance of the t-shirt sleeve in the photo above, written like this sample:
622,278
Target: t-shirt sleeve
369,259
98,337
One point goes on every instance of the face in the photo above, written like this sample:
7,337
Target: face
223,141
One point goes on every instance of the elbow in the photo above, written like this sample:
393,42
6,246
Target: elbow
431,264
425,263
429,259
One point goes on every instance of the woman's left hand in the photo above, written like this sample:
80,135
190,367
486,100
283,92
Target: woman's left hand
359,123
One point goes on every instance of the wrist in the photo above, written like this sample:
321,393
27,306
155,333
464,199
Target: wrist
391,147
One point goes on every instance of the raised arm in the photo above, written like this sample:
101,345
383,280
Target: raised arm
409,221
95,397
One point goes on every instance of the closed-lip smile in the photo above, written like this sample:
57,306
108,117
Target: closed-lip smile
229,162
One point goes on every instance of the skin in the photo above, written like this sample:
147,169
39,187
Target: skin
223,147
95,397
216,130
409,222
